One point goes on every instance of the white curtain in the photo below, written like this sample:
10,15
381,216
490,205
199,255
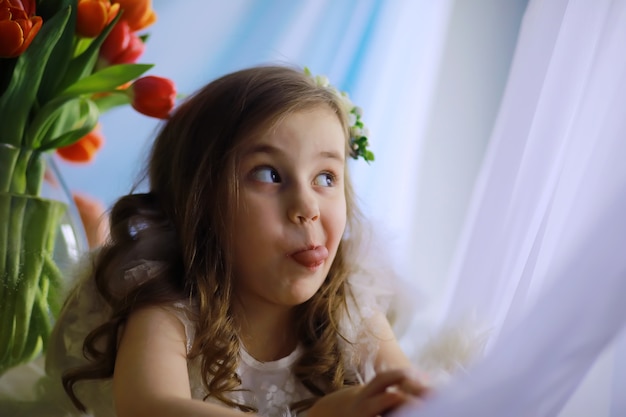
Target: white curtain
542,259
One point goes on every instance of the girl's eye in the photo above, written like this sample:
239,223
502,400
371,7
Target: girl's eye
325,179
266,174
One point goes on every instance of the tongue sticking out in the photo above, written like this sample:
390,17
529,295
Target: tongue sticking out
311,257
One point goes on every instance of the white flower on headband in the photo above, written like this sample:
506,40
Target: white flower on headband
322,80
358,131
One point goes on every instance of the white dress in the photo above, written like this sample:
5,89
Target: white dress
270,387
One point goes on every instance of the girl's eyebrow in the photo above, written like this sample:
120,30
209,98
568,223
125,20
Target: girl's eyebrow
332,155
273,150
262,148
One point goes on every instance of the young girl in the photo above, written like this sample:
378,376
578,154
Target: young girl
229,286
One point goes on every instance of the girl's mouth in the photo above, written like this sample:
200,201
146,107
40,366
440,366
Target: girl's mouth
311,258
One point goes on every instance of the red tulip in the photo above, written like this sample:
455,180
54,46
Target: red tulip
121,46
153,96
138,13
93,15
18,26
84,149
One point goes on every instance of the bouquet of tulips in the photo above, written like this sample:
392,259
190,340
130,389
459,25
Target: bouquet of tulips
62,63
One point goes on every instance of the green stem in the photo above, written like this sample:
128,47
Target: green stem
39,326
55,289
22,170
5,211
23,175
39,223
35,173
11,276
44,319
8,159
30,279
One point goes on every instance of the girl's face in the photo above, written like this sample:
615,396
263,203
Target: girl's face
292,210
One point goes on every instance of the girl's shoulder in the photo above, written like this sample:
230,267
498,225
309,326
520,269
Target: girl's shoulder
85,309
184,311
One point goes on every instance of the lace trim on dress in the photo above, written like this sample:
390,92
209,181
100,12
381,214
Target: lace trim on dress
281,363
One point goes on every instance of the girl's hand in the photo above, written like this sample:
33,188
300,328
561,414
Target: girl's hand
385,392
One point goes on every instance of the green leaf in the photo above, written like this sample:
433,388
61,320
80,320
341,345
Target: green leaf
6,71
109,101
56,66
19,97
85,123
107,79
62,121
83,64
48,8
45,120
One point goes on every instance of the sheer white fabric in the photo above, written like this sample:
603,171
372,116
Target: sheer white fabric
542,260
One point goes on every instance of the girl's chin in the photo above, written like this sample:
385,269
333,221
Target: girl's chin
302,294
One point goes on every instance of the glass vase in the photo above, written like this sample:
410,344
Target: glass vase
41,240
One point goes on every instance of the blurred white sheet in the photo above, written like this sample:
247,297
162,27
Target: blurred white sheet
542,260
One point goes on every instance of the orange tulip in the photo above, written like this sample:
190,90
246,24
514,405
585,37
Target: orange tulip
18,26
93,15
138,13
84,149
121,46
94,218
153,96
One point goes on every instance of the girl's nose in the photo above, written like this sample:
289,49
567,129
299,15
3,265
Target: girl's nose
303,207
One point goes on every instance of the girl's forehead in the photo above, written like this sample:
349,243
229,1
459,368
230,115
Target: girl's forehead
313,128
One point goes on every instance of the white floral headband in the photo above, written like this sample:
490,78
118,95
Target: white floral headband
358,130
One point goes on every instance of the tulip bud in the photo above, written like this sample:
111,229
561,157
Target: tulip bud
138,13
84,149
93,15
153,96
18,26
121,46
94,218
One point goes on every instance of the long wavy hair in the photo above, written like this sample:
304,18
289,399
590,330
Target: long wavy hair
185,222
